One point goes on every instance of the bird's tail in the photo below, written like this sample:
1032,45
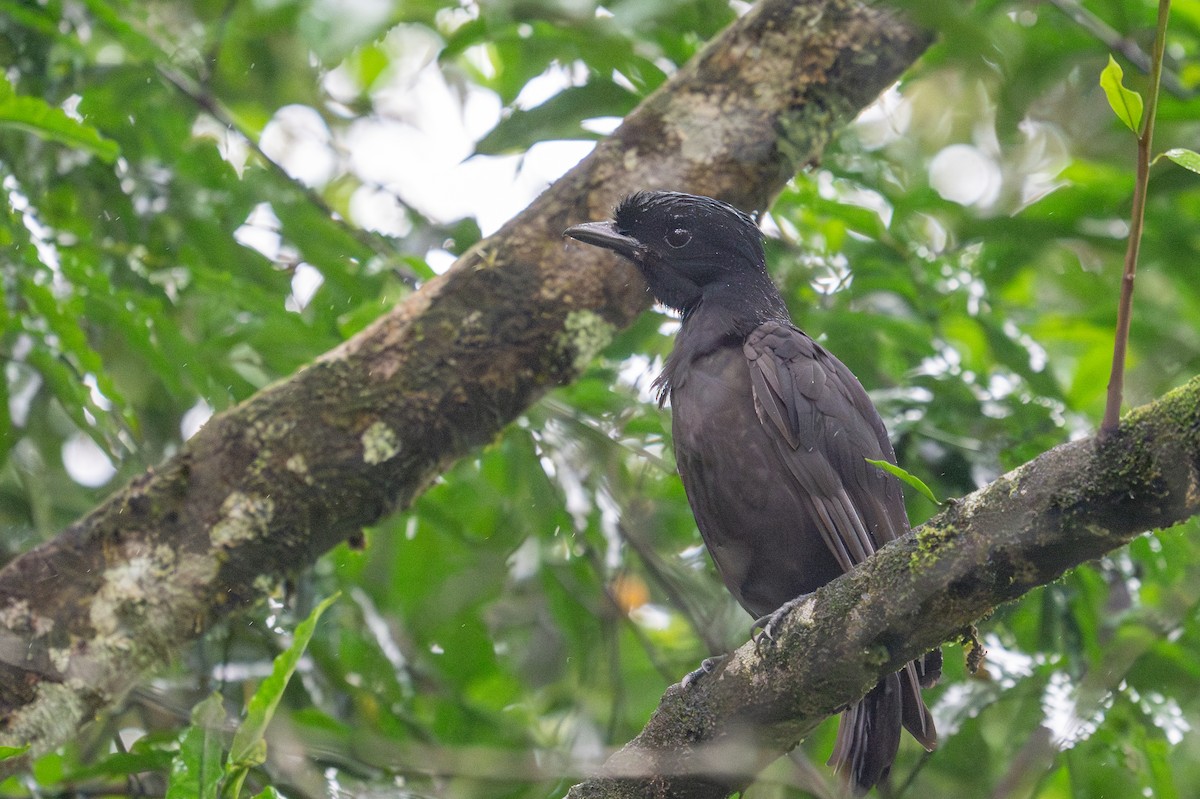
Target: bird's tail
869,733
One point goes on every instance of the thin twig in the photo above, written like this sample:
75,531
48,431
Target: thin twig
1113,40
1116,381
656,571
214,108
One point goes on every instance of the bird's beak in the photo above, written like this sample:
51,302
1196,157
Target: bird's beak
605,234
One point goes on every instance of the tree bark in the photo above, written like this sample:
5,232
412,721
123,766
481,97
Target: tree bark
1067,506
268,486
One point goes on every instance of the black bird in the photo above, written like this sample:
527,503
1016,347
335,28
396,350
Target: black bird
771,436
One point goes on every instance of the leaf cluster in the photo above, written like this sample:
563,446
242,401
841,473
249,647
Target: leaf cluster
959,247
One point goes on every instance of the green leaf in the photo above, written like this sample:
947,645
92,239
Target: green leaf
154,751
47,122
912,480
557,118
1188,159
8,752
196,771
131,39
1125,103
249,748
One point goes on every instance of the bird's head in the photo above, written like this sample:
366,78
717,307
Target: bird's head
686,246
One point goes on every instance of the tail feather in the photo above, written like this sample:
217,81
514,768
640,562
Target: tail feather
916,717
869,733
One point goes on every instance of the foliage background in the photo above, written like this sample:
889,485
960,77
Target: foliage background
959,247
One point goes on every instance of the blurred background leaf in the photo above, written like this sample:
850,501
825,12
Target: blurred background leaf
289,170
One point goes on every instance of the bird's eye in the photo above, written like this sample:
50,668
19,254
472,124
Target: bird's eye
679,237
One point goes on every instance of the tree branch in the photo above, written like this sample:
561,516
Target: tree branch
1067,506
266,487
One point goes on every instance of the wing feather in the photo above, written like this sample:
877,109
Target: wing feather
824,426
765,380
828,526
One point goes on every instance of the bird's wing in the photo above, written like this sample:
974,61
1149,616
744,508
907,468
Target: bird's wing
824,427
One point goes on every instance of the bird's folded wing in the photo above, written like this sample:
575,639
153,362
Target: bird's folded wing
825,428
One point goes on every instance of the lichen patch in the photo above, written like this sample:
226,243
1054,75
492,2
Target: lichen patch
54,715
265,431
244,517
60,658
585,333
128,585
267,584
380,443
297,465
15,615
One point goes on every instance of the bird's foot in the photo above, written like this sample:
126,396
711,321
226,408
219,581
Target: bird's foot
712,665
768,625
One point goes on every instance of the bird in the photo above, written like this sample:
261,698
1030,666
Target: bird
771,435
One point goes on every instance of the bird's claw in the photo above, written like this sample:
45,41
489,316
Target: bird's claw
763,629
768,625
709,666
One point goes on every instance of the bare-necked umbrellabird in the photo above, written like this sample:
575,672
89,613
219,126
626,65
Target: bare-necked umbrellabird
772,435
